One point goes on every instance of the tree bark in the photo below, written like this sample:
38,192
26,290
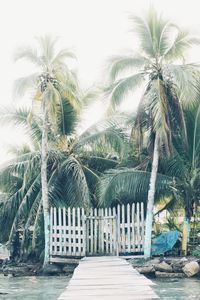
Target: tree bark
45,200
150,199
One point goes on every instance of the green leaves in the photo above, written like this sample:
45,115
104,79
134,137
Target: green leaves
120,64
129,185
120,89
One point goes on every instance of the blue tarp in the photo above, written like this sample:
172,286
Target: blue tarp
164,242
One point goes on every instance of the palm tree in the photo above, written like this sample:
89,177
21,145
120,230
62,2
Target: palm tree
53,80
161,44
75,164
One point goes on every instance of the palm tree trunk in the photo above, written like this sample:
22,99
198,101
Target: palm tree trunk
185,237
45,200
186,225
150,200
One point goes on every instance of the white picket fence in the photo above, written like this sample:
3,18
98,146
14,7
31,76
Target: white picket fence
104,231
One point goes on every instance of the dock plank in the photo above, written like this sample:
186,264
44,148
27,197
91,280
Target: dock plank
107,278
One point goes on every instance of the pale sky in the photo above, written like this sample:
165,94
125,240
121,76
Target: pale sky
94,29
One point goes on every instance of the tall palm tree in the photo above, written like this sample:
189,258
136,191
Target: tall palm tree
161,44
53,80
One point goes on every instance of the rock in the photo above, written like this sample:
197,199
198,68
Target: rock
69,269
169,275
52,269
152,262
178,264
146,270
163,267
191,268
141,262
16,271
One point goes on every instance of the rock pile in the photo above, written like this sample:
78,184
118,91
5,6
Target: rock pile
168,267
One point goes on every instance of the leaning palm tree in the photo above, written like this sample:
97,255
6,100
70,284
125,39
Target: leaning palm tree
49,85
161,44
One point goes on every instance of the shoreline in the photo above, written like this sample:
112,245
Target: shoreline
157,267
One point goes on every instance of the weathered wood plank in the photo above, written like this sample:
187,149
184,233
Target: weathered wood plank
107,278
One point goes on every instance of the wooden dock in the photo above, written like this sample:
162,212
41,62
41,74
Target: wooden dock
106,278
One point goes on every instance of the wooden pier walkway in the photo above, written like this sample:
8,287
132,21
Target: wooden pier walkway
107,278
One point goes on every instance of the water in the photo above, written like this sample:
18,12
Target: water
177,289
32,288
49,288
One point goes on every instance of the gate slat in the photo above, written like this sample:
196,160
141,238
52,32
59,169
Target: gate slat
60,230
79,231
64,231
142,226
119,228
83,223
55,229
133,226
138,227
74,230
110,231
51,231
115,236
128,229
106,230
69,231
96,236
123,230
91,232
101,231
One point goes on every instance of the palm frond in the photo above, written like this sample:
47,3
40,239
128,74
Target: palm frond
130,185
119,89
182,42
120,64
61,56
105,134
30,54
25,84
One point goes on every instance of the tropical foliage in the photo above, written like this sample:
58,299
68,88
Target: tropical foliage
75,164
146,156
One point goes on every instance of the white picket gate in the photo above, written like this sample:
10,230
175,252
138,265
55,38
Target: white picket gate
104,231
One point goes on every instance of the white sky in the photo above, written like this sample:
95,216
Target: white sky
94,29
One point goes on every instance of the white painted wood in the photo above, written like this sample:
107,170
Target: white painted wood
73,231
133,227
79,231
69,230
115,239
142,226
51,229
123,230
96,236
91,232
118,228
64,230
83,222
60,232
101,232
105,231
128,229
138,227
55,230
110,232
